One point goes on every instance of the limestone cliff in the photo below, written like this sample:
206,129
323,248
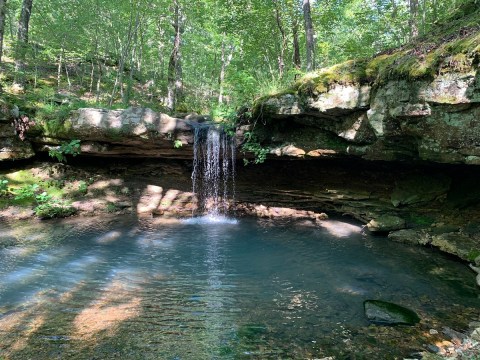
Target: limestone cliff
420,102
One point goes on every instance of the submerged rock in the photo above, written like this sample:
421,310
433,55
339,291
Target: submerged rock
386,313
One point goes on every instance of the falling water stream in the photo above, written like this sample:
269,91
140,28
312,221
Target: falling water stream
213,175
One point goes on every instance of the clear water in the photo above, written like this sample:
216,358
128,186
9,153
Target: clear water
141,289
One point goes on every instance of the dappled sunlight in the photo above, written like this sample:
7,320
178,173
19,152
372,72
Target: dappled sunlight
106,184
341,229
15,323
109,237
105,314
155,200
351,290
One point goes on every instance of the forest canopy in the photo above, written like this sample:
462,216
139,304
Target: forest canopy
178,55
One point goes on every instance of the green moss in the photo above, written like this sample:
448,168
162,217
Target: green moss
473,254
349,72
55,128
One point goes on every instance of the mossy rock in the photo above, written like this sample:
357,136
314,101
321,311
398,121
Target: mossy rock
387,313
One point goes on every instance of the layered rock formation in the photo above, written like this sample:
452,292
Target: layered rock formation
435,120
133,132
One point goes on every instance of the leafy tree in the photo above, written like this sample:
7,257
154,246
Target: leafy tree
3,9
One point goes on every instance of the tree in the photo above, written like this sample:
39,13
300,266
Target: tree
283,45
22,38
3,6
413,20
309,35
175,80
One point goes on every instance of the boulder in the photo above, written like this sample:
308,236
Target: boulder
387,313
386,223
131,132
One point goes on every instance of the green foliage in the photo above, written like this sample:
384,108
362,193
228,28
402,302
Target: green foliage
82,187
26,192
473,254
54,209
43,197
111,208
3,186
252,145
177,144
49,207
67,148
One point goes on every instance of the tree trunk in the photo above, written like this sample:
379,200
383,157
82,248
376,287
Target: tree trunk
296,47
309,35
281,56
3,6
226,59
22,39
59,69
413,20
99,81
174,77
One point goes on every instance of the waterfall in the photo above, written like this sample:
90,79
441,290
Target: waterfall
213,175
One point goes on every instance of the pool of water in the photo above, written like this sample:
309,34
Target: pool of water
146,289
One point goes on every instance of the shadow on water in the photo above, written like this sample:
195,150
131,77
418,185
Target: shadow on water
142,289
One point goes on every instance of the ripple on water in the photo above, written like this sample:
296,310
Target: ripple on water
223,289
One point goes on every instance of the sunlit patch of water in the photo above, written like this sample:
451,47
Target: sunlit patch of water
218,288
210,219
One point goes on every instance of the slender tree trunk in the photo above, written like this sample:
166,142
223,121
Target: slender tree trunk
99,81
127,94
65,63
296,47
124,52
59,68
92,73
226,59
309,35
3,6
281,56
22,40
175,82
413,20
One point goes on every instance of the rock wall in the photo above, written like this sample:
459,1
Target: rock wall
133,132
434,120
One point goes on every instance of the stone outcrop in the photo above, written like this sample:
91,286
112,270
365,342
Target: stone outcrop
133,132
11,147
435,120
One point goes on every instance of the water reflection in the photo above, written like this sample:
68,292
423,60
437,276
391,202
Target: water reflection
211,290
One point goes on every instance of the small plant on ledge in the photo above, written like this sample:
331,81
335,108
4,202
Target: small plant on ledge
66,148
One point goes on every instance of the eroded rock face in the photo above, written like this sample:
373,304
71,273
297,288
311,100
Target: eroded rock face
11,147
436,120
130,132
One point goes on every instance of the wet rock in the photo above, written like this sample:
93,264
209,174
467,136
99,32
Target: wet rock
386,313
409,236
386,223
456,243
